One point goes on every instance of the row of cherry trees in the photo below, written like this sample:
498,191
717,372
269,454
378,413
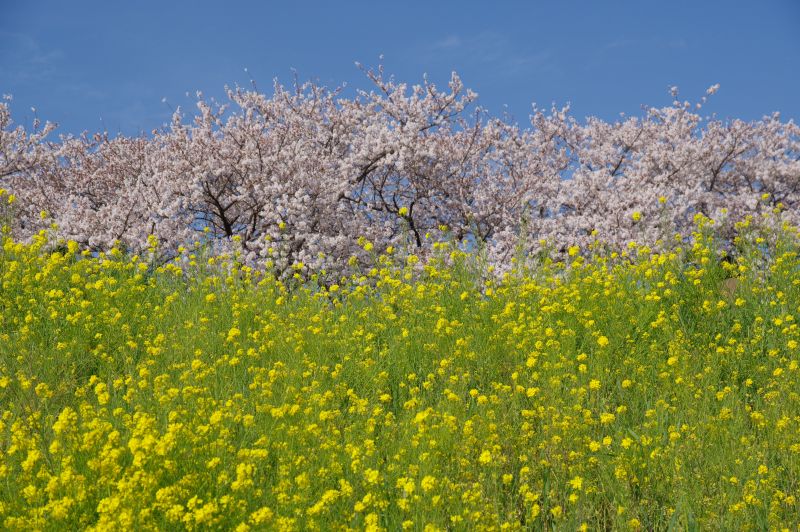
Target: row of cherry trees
299,175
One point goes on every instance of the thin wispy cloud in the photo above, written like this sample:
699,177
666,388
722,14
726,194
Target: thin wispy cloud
449,42
617,44
24,60
489,49
678,44
615,49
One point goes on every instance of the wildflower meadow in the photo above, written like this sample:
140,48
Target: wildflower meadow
632,389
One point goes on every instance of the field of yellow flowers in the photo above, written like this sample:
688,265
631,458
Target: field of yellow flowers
639,390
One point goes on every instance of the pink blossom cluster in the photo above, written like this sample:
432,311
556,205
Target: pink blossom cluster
298,176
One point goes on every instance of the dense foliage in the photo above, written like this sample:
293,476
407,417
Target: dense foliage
298,175
631,389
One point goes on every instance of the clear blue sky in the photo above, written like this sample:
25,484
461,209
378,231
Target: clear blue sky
80,61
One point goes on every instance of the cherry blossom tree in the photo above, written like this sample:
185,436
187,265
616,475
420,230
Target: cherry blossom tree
296,177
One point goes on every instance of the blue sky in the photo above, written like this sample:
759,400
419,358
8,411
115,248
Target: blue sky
93,65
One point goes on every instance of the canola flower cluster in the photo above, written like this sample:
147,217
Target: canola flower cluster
635,390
